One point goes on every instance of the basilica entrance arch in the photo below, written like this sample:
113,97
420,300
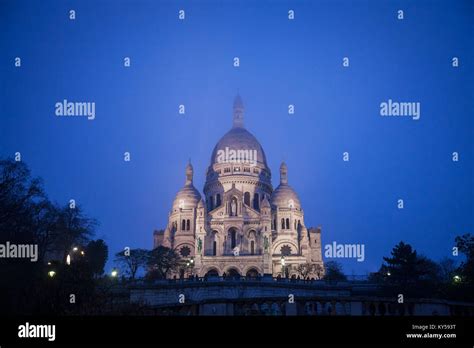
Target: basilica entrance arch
233,273
252,273
212,272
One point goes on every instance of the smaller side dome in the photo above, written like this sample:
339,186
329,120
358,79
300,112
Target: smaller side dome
284,196
188,197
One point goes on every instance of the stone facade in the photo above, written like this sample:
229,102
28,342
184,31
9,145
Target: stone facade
241,226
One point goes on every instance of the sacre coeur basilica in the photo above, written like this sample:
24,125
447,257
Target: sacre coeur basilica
241,226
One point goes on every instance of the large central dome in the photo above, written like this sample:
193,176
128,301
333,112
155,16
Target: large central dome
238,138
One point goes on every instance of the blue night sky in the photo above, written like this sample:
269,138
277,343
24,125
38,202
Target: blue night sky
282,62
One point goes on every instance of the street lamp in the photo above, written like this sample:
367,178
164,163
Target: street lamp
457,279
282,261
68,259
114,273
51,274
75,249
190,267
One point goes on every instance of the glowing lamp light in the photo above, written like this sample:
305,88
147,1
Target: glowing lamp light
114,273
75,249
457,279
51,274
68,260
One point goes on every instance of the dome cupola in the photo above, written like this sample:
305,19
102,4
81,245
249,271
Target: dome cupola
237,159
188,197
284,196
238,144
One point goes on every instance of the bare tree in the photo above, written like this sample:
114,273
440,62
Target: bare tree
132,260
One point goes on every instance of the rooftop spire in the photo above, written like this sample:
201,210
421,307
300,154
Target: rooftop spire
283,173
238,112
189,173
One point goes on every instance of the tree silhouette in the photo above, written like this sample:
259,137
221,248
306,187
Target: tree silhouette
161,261
97,254
27,216
334,272
130,261
403,265
465,245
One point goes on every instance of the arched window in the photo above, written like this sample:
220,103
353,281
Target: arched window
233,239
188,225
214,248
247,198
282,224
211,202
183,225
287,223
252,248
256,203
218,200
295,224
